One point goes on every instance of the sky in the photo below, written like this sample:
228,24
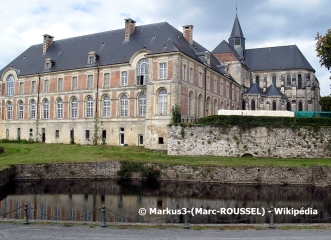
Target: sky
265,23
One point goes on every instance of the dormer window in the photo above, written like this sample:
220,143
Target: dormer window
48,64
92,58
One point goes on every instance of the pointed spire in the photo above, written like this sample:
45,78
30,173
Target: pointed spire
236,29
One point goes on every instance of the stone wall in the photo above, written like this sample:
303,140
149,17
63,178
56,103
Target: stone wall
318,176
260,142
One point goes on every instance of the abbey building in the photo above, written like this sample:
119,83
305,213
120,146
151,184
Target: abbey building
118,87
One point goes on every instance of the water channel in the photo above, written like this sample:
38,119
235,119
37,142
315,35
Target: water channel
81,200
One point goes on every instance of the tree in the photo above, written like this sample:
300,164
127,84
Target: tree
323,49
175,114
326,103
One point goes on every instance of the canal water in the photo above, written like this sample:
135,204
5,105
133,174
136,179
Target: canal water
164,202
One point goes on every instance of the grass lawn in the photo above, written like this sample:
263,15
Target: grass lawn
18,153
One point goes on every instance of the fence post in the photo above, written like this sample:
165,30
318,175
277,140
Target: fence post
26,220
186,225
103,217
271,211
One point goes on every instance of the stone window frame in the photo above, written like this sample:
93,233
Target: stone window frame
9,105
142,72
142,104
162,101
163,70
33,109
48,64
45,109
106,106
74,107
190,103
59,108
20,110
89,107
124,105
92,58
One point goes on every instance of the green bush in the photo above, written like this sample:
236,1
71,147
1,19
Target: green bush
2,150
248,122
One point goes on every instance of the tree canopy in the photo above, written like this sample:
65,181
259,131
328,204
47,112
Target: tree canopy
326,103
323,49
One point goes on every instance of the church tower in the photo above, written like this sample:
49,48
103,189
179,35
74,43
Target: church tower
237,39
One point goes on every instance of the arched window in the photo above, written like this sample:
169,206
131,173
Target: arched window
288,106
215,107
33,108
300,106
46,109
253,104
74,108
142,71
163,102
274,80
10,85
142,105
243,104
257,80
208,107
299,81
89,107
106,107
124,106
60,108
9,110
274,106
288,80
190,104
222,105
20,110
199,106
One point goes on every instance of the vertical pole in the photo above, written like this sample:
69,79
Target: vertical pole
103,217
26,220
186,225
271,211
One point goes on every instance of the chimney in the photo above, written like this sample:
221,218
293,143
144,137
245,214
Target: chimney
188,33
129,28
48,40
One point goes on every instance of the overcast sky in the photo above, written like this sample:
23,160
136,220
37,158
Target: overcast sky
265,23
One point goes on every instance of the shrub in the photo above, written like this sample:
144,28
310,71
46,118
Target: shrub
2,150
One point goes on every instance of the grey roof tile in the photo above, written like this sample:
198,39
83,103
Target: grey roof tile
110,47
276,58
273,91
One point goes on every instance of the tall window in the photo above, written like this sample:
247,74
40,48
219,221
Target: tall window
60,108
46,86
142,71
288,106
274,106
60,85
89,82
253,104
200,106
33,87
299,81
300,106
208,83
163,102
184,72
46,109
200,79
163,70
190,103
106,80
288,80
20,110
106,107
124,81
274,80
124,106
142,105
191,75
74,108
89,107
257,80
215,107
10,85
33,108
21,88
215,86
221,88
9,110
74,83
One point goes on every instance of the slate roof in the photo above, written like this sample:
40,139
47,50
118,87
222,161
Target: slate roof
276,58
110,47
236,29
254,90
225,47
273,91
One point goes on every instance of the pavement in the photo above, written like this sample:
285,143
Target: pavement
40,231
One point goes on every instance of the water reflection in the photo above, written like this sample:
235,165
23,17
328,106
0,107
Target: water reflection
81,201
